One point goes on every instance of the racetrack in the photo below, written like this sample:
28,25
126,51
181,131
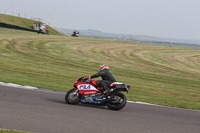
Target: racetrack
157,74
47,112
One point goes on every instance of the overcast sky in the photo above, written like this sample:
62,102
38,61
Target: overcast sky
161,18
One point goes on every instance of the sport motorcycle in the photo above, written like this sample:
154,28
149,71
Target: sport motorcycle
87,91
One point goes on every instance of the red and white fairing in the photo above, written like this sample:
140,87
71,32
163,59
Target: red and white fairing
86,89
114,84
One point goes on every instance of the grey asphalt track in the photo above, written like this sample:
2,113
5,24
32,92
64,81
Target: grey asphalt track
45,112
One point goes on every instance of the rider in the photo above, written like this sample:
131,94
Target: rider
107,78
76,33
42,29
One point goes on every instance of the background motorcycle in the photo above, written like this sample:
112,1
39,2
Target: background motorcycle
86,91
75,35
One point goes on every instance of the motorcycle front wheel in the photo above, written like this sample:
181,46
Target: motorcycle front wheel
72,98
118,101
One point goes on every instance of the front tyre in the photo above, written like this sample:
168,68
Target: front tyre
72,98
118,101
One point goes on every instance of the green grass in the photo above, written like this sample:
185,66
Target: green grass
11,131
157,74
23,22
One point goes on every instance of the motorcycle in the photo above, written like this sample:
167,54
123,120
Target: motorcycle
88,92
75,35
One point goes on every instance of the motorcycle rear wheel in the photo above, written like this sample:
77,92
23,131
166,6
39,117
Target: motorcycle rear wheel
70,98
117,104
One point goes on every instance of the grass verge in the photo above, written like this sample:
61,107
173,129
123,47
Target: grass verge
157,74
11,131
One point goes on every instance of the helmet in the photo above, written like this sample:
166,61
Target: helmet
104,67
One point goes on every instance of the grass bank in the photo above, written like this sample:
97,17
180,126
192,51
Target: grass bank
22,22
11,131
157,74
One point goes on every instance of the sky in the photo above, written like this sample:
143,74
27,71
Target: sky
179,19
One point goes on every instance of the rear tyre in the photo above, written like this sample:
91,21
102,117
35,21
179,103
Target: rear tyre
118,102
72,98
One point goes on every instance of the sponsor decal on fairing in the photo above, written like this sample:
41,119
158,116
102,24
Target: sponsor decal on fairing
86,87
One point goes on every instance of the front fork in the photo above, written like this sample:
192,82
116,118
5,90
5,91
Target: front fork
75,93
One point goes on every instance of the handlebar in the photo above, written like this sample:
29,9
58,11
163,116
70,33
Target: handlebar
84,79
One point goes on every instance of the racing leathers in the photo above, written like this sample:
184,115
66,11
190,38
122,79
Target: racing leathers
107,79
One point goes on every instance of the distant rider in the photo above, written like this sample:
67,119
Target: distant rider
43,29
75,33
107,78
